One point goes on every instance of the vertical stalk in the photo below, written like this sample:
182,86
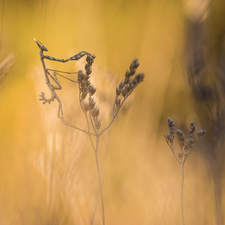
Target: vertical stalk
182,188
99,179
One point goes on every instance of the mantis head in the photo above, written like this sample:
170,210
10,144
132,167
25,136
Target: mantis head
40,45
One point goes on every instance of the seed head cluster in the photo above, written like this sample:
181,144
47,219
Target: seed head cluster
127,86
186,147
180,137
170,136
189,145
86,88
201,133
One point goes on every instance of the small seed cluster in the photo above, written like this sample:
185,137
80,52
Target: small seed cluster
185,146
170,136
86,88
127,86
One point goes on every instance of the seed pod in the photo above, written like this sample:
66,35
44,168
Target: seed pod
118,91
80,76
186,149
139,77
118,101
201,133
126,80
181,138
92,90
83,96
121,85
86,107
91,103
95,112
127,74
132,71
97,124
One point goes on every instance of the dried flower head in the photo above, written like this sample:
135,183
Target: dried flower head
185,146
118,101
90,60
95,112
118,91
127,86
170,136
91,90
86,107
91,103
139,77
181,138
201,133
192,130
80,76
83,95
97,124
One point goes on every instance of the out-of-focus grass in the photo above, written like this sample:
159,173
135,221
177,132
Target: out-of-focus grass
141,180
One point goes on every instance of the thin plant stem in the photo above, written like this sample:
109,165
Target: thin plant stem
182,188
99,179
114,116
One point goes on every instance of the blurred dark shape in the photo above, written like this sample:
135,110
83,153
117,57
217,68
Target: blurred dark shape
205,55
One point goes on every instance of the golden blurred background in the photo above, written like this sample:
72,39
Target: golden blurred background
47,171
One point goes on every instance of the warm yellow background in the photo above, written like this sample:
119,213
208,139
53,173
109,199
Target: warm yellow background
47,171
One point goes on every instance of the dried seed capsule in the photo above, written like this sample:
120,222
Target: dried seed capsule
186,148
97,124
118,91
86,77
133,83
117,101
132,71
134,64
126,80
137,64
91,103
95,112
86,107
80,76
201,133
125,91
88,71
140,77
190,143
181,138
92,90
121,85
127,74
83,96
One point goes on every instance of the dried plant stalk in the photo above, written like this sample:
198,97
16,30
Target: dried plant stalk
186,149
86,100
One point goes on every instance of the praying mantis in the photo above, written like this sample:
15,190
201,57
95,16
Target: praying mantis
53,88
